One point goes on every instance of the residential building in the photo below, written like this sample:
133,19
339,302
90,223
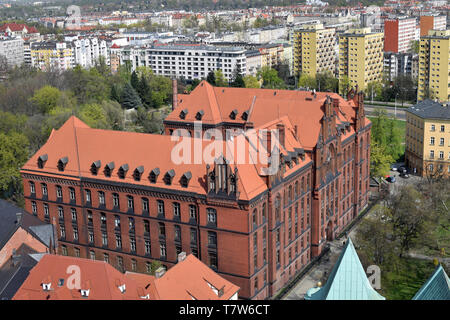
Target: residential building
13,50
437,286
257,229
22,236
432,22
314,50
427,150
271,54
361,56
253,61
18,30
434,73
190,62
399,34
347,280
52,55
396,64
87,51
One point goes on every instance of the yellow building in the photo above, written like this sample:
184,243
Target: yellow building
428,139
52,55
314,50
271,54
434,76
361,56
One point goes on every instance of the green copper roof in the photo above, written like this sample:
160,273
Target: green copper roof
437,287
347,280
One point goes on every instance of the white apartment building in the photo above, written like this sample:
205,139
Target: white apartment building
187,61
87,51
52,55
12,49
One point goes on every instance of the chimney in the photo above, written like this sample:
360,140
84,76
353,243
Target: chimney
280,128
181,256
18,217
160,272
174,94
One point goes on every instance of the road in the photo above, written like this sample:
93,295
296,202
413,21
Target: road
390,110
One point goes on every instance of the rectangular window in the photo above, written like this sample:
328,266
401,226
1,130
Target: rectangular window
212,216
160,207
33,207
162,250
32,187
212,239
46,212
75,233
62,230
101,197
193,236
192,212
146,226
162,229
117,221
176,209
72,194
61,212
73,212
177,232
133,244
104,239
118,241
212,260
115,200
106,257
147,247
64,250
441,141
145,204
44,189
130,202
88,195
58,192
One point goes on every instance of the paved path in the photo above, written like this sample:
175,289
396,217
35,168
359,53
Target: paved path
401,115
318,273
420,256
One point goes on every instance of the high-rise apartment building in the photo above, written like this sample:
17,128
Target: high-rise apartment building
12,50
428,23
52,55
434,78
314,49
398,34
361,56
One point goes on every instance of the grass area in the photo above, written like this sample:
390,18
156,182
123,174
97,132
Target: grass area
403,283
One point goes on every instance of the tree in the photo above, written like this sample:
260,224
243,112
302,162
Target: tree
211,78
220,79
114,114
306,81
270,78
13,155
344,85
46,98
326,82
251,82
380,160
134,80
114,94
374,90
408,210
415,46
130,99
143,89
161,90
238,80
94,116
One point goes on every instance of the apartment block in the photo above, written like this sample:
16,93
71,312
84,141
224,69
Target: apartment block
87,51
187,61
434,77
52,55
428,23
396,64
428,138
314,50
13,50
361,56
398,34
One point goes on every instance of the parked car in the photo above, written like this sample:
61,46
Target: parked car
390,179
402,170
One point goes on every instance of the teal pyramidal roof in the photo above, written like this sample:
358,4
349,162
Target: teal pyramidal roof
437,287
347,280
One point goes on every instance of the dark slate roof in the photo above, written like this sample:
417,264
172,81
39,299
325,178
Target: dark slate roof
8,226
430,109
437,287
15,271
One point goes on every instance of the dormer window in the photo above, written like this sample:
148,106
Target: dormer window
122,288
123,171
183,113
199,115
85,293
153,175
62,163
233,114
245,115
138,173
169,176
185,179
109,168
42,160
95,166
46,286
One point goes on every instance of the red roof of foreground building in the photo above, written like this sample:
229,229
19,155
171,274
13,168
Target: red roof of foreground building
97,278
18,27
303,108
187,280
53,278
82,146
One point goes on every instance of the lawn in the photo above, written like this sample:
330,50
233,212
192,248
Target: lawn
404,283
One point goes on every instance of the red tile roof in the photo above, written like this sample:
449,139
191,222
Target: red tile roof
302,108
83,146
101,279
187,280
18,27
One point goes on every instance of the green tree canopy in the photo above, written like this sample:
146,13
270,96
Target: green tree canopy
130,99
46,98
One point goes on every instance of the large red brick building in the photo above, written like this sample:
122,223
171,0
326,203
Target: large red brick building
120,197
